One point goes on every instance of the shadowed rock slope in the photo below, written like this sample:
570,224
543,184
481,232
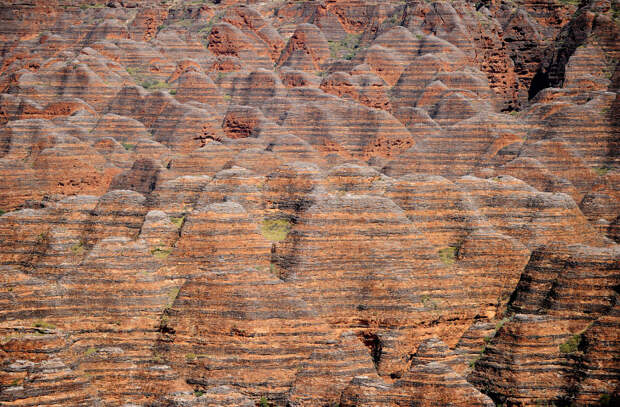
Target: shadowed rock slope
309,203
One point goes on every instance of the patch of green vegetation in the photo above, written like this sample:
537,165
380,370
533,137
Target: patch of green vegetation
277,271
198,393
190,356
473,362
154,84
42,237
44,325
447,255
185,23
173,91
601,171
161,253
79,248
6,339
90,351
206,30
142,78
322,74
157,358
263,402
571,345
2,212
275,230
128,146
87,6
227,97
428,302
570,2
397,18
346,48
172,295
163,322
178,222
499,324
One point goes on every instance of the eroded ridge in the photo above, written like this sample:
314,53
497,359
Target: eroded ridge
309,203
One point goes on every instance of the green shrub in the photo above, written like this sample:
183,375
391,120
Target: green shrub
128,146
2,212
571,345
263,402
178,222
42,324
221,75
161,252
447,255
42,237
172,295
275,230
601,171
395,19
186,22
346,48
428,302
87,6
78,248
500,323
154,84
90,351
277,271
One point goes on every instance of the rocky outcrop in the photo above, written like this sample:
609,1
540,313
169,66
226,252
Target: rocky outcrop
550,331
309,203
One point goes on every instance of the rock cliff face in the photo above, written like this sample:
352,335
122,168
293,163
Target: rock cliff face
309,203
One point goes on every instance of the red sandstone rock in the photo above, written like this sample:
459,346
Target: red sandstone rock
309,203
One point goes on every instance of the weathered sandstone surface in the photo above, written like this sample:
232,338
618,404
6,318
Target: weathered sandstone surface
309,203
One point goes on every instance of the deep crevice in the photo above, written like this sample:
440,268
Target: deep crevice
373,343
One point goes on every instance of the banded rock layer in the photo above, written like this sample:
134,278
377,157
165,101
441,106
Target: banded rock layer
309,203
